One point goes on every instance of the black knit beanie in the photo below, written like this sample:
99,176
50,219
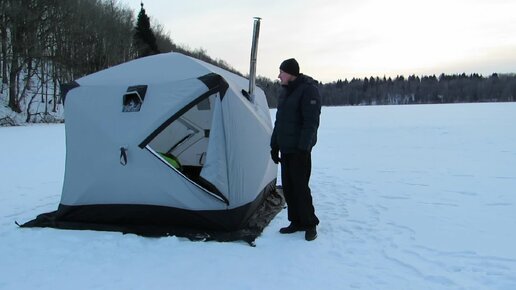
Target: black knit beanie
290,66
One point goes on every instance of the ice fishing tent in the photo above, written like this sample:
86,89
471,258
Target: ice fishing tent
166,140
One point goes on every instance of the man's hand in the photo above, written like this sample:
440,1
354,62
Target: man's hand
275,155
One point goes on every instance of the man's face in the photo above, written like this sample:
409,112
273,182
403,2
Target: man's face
285,78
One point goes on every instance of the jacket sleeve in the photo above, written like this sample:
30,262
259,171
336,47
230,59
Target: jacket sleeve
310,111
274,140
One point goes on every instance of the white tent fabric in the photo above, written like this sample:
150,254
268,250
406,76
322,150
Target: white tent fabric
216,168
235,161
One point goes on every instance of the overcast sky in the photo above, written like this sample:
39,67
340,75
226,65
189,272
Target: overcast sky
349,38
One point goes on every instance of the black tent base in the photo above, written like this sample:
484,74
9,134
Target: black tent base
272,204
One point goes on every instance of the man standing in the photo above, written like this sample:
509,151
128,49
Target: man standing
294,135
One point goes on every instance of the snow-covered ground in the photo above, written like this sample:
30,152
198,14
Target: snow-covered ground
409,197
41,112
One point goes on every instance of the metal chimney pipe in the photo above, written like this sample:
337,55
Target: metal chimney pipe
254,51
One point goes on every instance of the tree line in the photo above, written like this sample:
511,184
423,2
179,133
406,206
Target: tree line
455,88
47,43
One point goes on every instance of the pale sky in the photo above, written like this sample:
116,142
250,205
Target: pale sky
350,38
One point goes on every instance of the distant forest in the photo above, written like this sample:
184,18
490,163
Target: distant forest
47,43
455,88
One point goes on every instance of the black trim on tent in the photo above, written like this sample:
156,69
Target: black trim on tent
141,89
243,223
213,80
246,95
211,188
65,88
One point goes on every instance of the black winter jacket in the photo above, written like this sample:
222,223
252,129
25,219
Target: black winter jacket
297,116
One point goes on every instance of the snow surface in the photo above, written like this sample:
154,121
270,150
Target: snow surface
38,108
409,197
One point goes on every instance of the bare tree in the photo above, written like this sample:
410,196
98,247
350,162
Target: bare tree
3,42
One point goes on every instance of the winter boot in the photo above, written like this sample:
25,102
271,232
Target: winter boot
310,234
292,228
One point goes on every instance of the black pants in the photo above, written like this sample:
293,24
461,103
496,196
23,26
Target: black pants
295,175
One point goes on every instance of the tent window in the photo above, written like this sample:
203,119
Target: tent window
133,98
132,102
186,139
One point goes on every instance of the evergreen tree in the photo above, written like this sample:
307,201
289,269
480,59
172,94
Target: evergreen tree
144,39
